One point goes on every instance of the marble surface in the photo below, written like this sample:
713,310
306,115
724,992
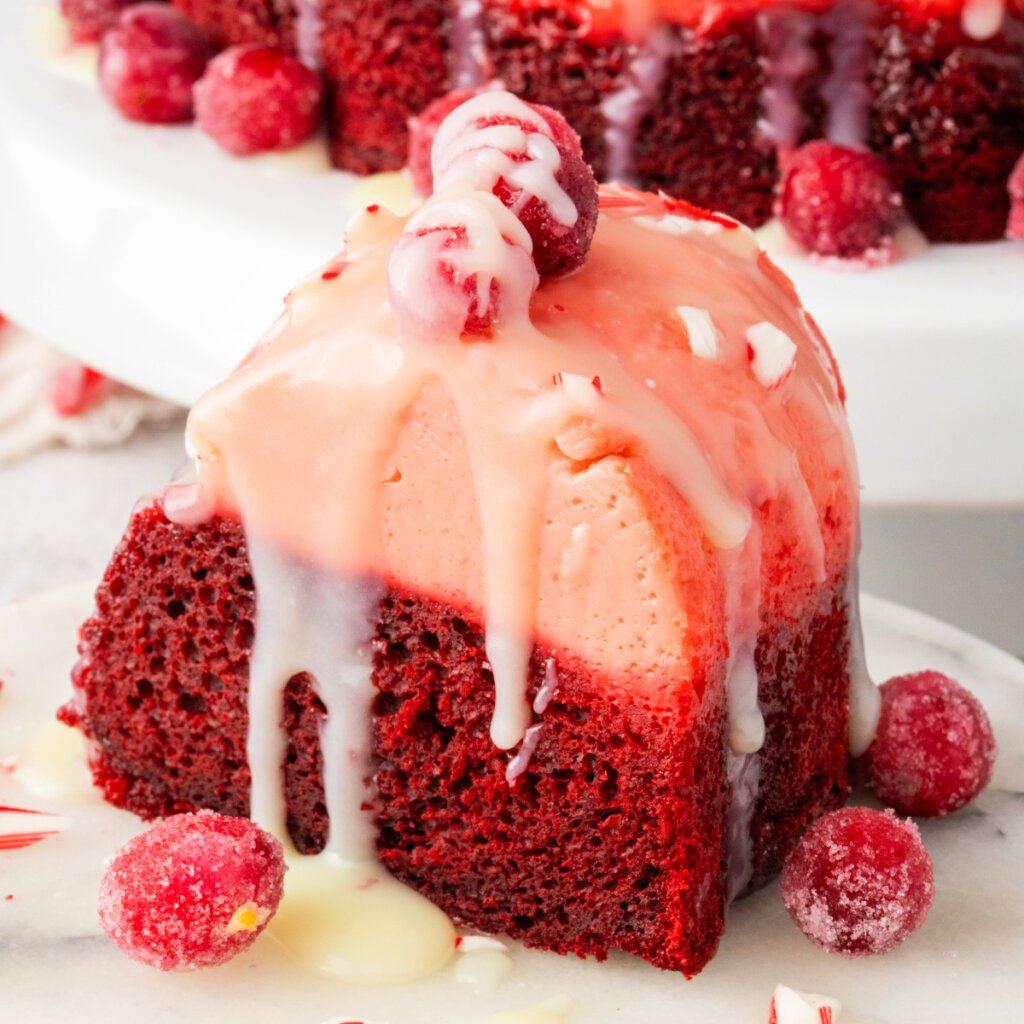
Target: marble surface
55,964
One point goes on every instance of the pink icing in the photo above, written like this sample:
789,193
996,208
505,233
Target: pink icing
595,517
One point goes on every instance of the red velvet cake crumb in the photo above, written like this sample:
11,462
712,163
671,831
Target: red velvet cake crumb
161,689
253,99
89,19
149,62
859,882
1015,225
422,129
934,750
837,201
193,891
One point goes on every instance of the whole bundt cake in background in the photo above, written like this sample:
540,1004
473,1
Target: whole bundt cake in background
701,100
538,590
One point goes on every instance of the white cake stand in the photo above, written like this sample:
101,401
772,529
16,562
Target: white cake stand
151,255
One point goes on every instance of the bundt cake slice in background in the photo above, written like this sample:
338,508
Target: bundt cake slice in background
536,587
701,100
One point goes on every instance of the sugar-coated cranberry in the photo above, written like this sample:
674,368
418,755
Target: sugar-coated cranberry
859,882
561,237
149,62
1015,225
193,891
838,201
436,291
422,129
89,19
934,749
254,99
74,388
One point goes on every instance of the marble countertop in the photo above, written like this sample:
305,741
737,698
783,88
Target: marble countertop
64,510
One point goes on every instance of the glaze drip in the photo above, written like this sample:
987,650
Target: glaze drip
846,91
468,44
624,108
786,57
519,150
308,29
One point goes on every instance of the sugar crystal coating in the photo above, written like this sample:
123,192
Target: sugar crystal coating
193,891
255,99
838,201
934,750
859,882
149,61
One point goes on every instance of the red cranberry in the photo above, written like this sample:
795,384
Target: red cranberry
859,882
89,19
74,388
838,201
253,99
149,62
934,749
1015,226
193,891
422,129
560,243
433,294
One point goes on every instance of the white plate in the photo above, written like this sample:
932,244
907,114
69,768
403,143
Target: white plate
964,964
150,254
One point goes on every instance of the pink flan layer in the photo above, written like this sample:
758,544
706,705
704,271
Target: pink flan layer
591,479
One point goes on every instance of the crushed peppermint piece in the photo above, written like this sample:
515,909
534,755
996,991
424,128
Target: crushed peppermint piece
772,354
20,827
792,1007
701,330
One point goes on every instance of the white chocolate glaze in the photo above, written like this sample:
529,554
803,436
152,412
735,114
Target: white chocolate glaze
522,153
624,107
468,44
308,29
482,969
786,57
52,765
846,91
555,1010
342,914
865,697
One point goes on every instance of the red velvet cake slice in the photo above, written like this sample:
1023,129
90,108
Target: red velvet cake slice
537,591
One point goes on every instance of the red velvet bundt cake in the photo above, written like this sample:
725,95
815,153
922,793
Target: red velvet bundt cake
701,100
538,591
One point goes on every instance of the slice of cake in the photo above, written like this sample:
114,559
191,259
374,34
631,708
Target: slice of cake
536,586
702,100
